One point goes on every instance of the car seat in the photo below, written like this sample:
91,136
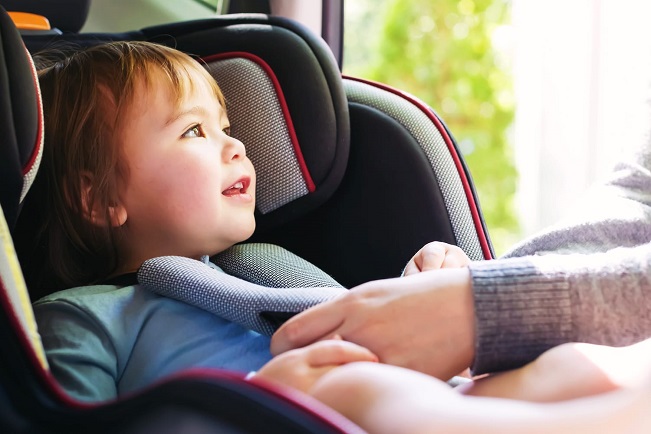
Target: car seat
353,176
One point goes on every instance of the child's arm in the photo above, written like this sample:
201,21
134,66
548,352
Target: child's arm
436,255
569,371
302,367
388,399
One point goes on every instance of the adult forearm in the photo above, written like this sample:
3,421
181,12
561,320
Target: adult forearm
525,306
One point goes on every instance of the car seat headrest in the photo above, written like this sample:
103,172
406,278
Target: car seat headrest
258,113
21,120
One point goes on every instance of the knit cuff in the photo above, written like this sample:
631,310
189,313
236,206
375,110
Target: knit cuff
520,311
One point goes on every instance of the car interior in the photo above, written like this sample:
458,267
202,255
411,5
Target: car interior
353,176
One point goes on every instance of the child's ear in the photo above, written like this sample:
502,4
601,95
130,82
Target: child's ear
94,210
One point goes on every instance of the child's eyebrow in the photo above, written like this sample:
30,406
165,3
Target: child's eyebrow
196,110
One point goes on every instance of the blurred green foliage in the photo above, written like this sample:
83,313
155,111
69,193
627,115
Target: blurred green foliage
443,52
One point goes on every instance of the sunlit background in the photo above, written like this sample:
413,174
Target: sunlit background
541,96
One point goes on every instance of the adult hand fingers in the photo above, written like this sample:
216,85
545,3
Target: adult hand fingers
337,352
316,323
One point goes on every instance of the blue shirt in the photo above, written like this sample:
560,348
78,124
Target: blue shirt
103,341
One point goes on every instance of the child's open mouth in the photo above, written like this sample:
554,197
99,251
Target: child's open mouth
239,187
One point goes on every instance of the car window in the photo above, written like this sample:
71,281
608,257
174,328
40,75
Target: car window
121,15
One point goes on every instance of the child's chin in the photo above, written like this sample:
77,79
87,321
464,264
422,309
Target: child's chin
246,234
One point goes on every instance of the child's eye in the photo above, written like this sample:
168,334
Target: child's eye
194,131
227,130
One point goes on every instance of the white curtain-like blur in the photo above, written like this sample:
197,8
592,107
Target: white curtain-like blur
582,71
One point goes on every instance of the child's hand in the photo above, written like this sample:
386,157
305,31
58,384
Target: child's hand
436,255
302,367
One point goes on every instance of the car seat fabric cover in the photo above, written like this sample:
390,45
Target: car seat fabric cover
21,124
255,110
20,120
272,266
468,233
405,185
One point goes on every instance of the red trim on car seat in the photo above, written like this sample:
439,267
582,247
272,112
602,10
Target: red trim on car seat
39,112
283,104
483,241
287,394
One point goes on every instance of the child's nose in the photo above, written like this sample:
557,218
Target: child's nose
234,150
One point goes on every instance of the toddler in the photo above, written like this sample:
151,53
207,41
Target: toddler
138,163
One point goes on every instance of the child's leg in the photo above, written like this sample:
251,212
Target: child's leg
569,371
388,399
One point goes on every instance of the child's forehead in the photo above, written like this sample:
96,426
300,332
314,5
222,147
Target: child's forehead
181,82
164,94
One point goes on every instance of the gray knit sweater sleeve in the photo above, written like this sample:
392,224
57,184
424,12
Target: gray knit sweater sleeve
586,279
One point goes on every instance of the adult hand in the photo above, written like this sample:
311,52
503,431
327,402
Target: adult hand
436,255
301,368
424,322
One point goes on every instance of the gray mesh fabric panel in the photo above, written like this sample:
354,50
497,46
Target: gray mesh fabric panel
271,265
433,144
234,299
257,120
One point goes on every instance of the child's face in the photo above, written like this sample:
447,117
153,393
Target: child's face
190,189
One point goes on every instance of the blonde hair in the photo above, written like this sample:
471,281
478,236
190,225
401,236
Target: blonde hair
86,98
